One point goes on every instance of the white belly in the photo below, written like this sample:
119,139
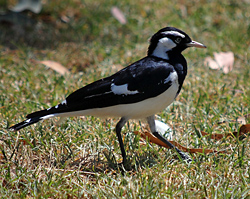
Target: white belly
137,110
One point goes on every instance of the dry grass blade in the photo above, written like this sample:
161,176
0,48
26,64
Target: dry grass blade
222,60
55,66
153,139
80,158
118,14
243,132
241,120
245,129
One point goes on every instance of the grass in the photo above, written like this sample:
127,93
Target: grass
78,158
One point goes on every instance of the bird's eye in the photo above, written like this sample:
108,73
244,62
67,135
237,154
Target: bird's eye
178,40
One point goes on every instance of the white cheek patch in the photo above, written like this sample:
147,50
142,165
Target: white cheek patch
168,43
164,45
122,90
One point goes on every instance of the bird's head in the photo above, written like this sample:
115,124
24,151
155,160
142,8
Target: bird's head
168,40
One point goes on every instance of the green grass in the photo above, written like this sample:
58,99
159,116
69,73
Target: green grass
78,157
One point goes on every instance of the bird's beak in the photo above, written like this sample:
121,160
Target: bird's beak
196,44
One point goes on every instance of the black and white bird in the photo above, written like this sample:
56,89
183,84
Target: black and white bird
140,90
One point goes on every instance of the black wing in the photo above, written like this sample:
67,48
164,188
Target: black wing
144,79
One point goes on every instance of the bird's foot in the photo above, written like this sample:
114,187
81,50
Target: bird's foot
185,157
126,165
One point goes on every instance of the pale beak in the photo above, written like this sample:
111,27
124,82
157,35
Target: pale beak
196,44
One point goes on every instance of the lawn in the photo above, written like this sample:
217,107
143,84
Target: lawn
78,158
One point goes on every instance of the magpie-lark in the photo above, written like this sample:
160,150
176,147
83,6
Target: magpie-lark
140,90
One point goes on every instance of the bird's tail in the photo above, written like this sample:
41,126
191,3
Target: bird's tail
35,117
25,123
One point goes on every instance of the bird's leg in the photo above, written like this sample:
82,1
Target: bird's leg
118,129
151,122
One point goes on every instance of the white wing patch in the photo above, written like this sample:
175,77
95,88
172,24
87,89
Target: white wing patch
28,120
64,102
122,90
175,33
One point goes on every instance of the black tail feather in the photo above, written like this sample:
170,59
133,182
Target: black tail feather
40,115
60,108
25,123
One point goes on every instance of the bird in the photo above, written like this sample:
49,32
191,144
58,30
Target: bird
138,91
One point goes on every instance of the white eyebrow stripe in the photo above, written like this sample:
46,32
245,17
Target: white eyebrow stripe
175,33
122,90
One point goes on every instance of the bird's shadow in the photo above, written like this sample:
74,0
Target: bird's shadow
93,164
